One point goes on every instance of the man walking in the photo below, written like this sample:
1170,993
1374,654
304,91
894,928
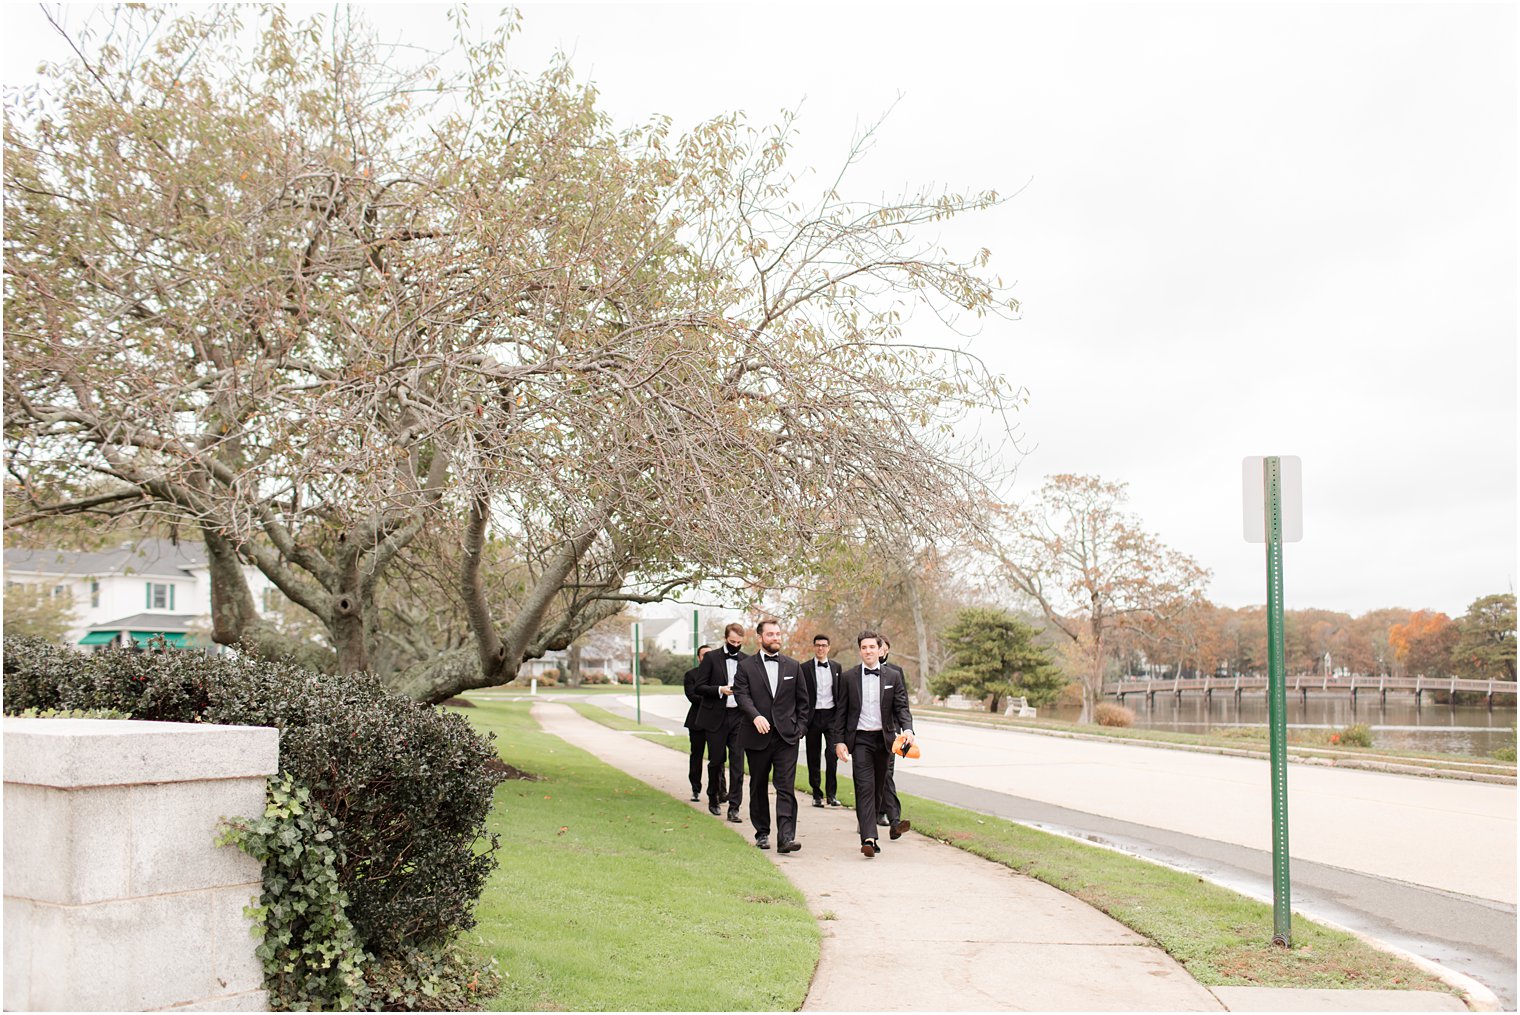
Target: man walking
777,701
698,737
719,718
870,710
821,672
889,805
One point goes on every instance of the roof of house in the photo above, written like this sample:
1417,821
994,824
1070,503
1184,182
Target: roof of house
157,558
149,622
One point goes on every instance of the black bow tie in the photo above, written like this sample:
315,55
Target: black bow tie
770,659
727,654
873,673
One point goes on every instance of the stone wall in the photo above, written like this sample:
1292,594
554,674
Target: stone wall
115,896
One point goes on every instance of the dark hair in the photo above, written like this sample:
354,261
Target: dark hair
767,622
883,639
820,637
703,648
863,635
734,629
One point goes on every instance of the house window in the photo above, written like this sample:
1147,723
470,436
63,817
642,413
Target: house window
160,596
95,594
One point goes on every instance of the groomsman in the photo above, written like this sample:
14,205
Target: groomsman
698,737
718,716
870,710
889,805
776,699
822,672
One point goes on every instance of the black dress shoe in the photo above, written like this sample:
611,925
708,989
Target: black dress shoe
868,848
881,819
714,809
788,846
834,802
695,796
733,815
901,827
817,799
762,842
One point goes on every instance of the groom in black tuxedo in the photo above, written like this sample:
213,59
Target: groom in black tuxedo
777,701
870,710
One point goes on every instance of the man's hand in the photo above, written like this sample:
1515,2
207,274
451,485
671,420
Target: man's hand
761,725
724,692
841,752
907,736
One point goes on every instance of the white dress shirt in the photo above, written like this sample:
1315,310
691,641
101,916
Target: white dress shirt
870,701
825,682
733,667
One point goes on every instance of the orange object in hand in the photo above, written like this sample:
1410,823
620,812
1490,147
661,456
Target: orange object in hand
910,751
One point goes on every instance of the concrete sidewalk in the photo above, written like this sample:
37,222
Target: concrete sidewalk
927,927
924,926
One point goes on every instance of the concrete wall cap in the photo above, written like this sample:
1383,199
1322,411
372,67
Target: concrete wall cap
72,753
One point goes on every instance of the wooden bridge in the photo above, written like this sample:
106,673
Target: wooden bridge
1303,684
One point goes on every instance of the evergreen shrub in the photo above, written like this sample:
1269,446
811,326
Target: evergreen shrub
407,785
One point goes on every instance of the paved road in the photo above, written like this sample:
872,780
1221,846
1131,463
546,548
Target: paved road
1426,864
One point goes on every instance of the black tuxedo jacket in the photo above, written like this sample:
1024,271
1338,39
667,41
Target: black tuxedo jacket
688,683
810,671
712,673
787,712
895,715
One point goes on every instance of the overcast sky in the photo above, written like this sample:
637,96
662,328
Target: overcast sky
1239,229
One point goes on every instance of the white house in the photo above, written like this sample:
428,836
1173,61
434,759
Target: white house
127,595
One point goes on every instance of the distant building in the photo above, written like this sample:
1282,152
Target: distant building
130,594
673,634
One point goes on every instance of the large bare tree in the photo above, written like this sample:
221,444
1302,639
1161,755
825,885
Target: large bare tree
1093,570
320,311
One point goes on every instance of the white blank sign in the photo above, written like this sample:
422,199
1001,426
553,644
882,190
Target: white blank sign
1254,497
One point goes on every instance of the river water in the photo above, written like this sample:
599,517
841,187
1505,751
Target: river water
1465,729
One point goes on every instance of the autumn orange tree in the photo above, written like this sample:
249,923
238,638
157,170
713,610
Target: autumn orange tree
1424,643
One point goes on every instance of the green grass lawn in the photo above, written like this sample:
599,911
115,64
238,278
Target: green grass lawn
613,896
1221,937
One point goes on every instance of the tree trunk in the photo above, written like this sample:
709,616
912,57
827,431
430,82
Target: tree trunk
441,677
573,665
236,622
348,628
921,694
232,609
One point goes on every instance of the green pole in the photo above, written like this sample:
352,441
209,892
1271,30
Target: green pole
638,708
1277,706
694,637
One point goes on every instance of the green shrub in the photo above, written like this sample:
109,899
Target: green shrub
407,784
649,681
1358,735
73,713
1505,754
594,677
311,954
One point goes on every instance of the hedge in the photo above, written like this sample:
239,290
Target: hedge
408,786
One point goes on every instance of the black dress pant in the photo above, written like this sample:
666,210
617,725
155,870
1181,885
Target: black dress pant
818,742
722,743
778,764
694,772
868,770
889,804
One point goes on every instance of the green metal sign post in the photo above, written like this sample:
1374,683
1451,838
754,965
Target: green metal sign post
694,637
638,709
1277,703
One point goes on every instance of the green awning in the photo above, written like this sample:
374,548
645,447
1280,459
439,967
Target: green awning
99,638
175,638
